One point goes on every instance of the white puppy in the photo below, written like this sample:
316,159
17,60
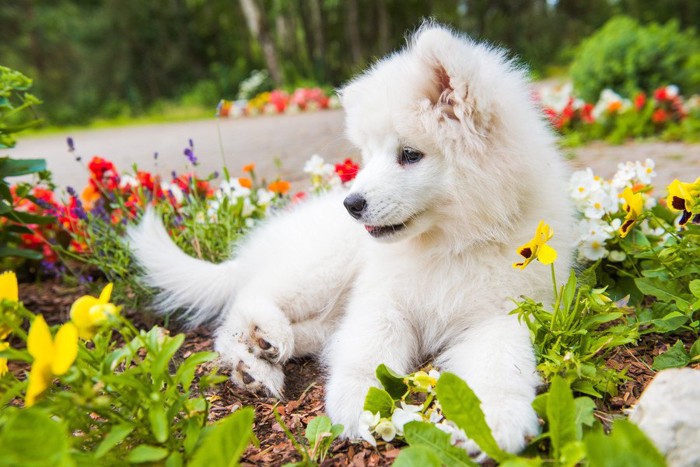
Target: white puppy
458,169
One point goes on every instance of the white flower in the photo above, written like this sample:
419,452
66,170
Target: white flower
316,166
386,430
231,189
594,227
174,190
248,208
610,101
127,181
367,422
625,174
645,172
598,203
556,97
672,90
265,196
435,417
617,256
407,413
583,183
593,248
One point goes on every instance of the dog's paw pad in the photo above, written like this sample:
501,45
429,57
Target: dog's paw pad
264,346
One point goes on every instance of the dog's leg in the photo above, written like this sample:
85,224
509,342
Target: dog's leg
370,334
256,339
495,357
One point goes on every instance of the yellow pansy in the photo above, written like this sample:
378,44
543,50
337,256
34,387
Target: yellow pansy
8,291
52,356
537,247
634,205
89,313
684,197
3,361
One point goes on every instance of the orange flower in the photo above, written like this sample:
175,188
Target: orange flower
248,168
614,106
280,187
89,196
245,182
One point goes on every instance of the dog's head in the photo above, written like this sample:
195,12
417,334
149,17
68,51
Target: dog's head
440,125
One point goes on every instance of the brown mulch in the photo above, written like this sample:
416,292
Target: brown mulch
305,387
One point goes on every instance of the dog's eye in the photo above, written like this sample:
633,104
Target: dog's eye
409,156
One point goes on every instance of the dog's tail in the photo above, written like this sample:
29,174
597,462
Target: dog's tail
200,288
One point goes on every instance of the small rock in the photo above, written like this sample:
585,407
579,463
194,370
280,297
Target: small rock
669,413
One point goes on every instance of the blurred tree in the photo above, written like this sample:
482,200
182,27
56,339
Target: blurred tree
110,58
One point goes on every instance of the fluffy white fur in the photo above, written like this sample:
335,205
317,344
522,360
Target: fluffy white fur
313,280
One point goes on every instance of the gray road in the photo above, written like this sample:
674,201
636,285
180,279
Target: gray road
235,142
290,138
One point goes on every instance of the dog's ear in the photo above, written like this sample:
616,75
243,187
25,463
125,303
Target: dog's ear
452,89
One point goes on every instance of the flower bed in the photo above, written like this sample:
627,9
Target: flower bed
666,113
278,102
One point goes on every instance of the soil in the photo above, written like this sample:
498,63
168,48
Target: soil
305,387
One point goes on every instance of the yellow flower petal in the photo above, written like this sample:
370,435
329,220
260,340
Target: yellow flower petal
106,293
39,341
39,379
3,361
8,286
66,349
547,254
80,310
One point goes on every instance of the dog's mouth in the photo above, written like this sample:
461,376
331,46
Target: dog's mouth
384,230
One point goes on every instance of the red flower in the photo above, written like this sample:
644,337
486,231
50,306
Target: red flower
659,116
587,113
347,170
639,101
660,94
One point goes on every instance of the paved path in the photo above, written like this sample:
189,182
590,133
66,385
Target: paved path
292,139
237,142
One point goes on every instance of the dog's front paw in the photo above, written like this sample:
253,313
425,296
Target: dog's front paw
273,342
248,370
345,400
512,423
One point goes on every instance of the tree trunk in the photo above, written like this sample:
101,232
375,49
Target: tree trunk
383,33
352,30
257,24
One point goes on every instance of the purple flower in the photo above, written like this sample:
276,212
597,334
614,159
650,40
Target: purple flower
155,155
71,145
70,190
190,156
191,143
173,174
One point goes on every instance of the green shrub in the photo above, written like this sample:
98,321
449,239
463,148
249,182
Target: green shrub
628,57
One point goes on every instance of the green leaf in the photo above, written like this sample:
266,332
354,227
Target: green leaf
16,167
33,437
317,429
585,408
417,456
20,253
569,291
430,436
694,287
186,370
166,352
174,460
666,291
26,218
669,322
460,404
392,381
378,400
224,444
675,357
116,435
626,446
159,423
695,350
561,415
147,453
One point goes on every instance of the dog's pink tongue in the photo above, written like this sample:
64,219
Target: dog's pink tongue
370,228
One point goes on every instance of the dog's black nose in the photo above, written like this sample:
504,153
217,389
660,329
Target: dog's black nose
355,204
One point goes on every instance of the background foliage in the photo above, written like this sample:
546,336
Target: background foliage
110,58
